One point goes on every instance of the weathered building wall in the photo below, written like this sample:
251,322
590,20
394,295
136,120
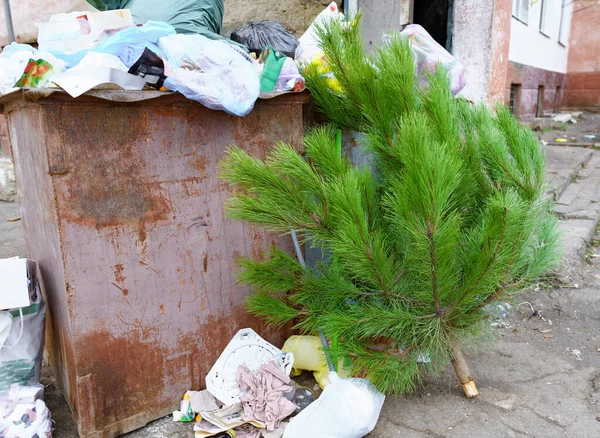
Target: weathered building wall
538,55
544,47
480,43
529,80
583,71
295,15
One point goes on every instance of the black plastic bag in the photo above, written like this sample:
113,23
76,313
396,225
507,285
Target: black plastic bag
256,36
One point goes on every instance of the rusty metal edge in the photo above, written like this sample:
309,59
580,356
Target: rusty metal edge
151,97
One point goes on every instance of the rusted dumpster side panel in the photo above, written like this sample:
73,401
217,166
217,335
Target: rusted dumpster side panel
148,258
28,135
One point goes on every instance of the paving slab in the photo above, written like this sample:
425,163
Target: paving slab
12,241
562,165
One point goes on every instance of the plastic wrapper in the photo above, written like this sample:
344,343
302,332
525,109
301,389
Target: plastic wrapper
151,67
272,61
257,36
15,58
214,73
429,54
36,75
289,78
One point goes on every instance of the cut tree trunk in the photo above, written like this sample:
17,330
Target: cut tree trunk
462,372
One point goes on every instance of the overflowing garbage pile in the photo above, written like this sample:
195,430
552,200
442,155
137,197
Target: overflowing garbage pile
250,394
23,412
78,52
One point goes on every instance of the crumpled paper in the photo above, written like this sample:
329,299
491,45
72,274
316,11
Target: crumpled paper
263,394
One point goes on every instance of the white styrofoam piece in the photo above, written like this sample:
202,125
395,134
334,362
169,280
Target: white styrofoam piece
248,348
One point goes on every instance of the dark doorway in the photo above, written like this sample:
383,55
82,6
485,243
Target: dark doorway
540,102
515,98
557,99
436,17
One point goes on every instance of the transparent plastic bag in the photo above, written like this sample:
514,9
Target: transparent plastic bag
309,48
428,54
214,73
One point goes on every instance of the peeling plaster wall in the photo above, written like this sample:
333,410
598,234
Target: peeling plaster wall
472,44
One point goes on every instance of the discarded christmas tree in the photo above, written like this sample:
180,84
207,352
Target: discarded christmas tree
451,219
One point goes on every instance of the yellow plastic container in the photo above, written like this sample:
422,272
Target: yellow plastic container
309,356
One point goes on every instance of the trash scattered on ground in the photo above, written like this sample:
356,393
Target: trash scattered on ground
590,136
257,36
575,353
23,414
264,394
13,219
247,348
347,408
548,336
223,419
309,356
561,140
562,118
22,324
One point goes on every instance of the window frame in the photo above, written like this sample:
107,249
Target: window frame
517,9
543,23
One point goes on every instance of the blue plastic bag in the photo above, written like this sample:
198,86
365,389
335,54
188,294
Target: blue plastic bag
129,44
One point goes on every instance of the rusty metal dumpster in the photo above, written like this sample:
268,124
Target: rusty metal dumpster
123,211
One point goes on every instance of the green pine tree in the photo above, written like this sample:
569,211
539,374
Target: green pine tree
451,218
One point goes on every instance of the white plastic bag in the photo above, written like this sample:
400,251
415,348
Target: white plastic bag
21,353
211,72
348,408
70,33
308,48
428,54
